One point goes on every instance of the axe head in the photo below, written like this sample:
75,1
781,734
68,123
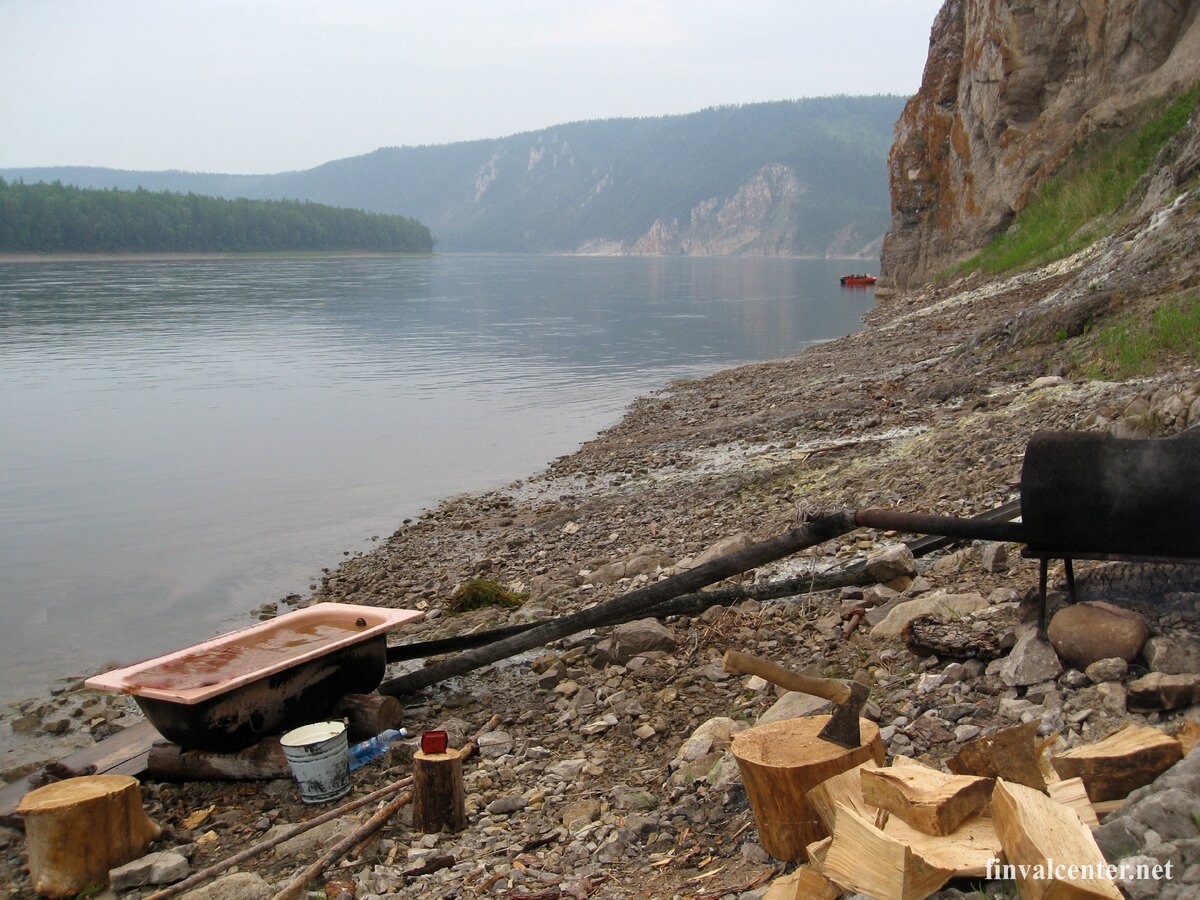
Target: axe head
842,727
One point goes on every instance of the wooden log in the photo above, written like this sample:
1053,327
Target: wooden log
1072,793
945,638
863,858
928,800
1044,841
439,797
1121,763
780,762
1011,754
966,851
806,883
367,715
79,828
170,762
817,530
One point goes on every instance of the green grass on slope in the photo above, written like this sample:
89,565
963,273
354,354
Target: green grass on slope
1136,345
1067,212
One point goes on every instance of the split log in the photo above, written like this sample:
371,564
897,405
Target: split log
806,883
780,762
933,635
78,829
862,858
1072,793
1044,840
817,530
1121,763
1011,754
170,762
966,851
928,800
367,715
439,796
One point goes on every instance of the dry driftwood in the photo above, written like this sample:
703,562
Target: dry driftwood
217,868
297,885
367,715
817,530
932,635
170,762
79,828
1121,763
1038,833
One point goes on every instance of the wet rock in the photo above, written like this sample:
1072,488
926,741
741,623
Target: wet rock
1174,654
1087,632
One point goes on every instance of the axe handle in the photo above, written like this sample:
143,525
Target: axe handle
826,688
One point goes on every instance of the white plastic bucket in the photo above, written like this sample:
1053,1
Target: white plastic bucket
318,757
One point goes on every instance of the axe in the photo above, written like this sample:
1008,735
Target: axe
848,696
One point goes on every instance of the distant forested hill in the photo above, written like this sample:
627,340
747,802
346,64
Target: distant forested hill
55,217
804,177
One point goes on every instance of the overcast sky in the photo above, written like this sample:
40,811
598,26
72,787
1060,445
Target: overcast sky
270,85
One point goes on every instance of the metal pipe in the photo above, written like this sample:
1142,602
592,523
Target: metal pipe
949,526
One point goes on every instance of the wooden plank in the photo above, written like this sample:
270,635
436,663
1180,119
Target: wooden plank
124,753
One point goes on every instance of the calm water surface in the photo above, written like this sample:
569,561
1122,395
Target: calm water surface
182,441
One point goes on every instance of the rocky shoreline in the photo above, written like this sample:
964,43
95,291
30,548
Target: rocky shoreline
609,775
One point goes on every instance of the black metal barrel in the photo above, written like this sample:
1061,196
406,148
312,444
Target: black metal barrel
1087,493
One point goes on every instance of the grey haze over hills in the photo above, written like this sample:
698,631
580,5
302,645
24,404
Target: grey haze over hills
791,178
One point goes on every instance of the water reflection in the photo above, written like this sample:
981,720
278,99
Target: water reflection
184,440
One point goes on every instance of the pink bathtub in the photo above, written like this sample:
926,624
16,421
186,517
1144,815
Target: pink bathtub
229,692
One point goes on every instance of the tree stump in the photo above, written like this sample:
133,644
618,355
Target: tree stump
439,797
780,763
79,828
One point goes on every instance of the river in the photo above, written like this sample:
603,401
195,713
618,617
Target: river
184,440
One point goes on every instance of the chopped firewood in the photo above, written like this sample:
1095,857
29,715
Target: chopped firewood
816,852
946,638
928,800
1121,763
1071,792
845,789
965,852
1050,849
863,858
1188,736
806,883
79,828
1011,754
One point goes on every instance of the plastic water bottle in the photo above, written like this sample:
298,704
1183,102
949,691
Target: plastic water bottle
373,748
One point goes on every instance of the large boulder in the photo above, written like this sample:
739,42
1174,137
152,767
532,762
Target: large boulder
634,638
1085,633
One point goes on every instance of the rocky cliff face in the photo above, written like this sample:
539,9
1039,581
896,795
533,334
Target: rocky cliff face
1009,88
